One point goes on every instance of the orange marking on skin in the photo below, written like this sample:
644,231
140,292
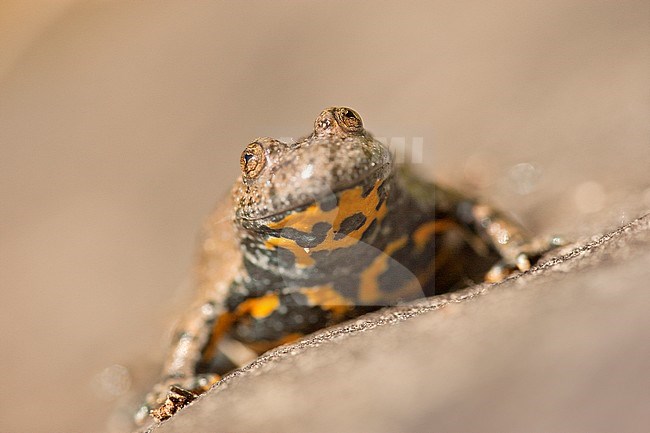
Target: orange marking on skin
369,284
303,259
327,298
259,308
422,235
222,325
350,203
439,260
260,347
409,291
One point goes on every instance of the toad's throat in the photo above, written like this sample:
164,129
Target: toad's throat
319,227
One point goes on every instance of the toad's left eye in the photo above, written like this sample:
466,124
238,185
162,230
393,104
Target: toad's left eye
252,160
348,119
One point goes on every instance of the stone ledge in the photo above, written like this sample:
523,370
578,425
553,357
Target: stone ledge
563,347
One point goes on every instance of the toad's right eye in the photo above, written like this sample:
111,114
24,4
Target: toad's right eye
252,160
348,119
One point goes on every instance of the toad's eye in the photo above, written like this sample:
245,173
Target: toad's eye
252,160
348,119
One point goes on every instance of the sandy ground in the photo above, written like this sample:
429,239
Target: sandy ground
121,124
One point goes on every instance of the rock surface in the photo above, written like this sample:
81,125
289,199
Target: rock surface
563,347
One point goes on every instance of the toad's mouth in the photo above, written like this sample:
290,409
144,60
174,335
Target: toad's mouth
328,199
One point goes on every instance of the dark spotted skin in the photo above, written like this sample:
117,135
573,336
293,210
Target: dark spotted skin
322,231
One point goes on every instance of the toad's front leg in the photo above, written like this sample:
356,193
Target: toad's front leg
204,347
517,248
180,382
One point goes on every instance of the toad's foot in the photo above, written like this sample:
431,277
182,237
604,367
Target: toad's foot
177,398
170,396
523,261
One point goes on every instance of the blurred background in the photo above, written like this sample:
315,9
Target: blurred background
121,125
